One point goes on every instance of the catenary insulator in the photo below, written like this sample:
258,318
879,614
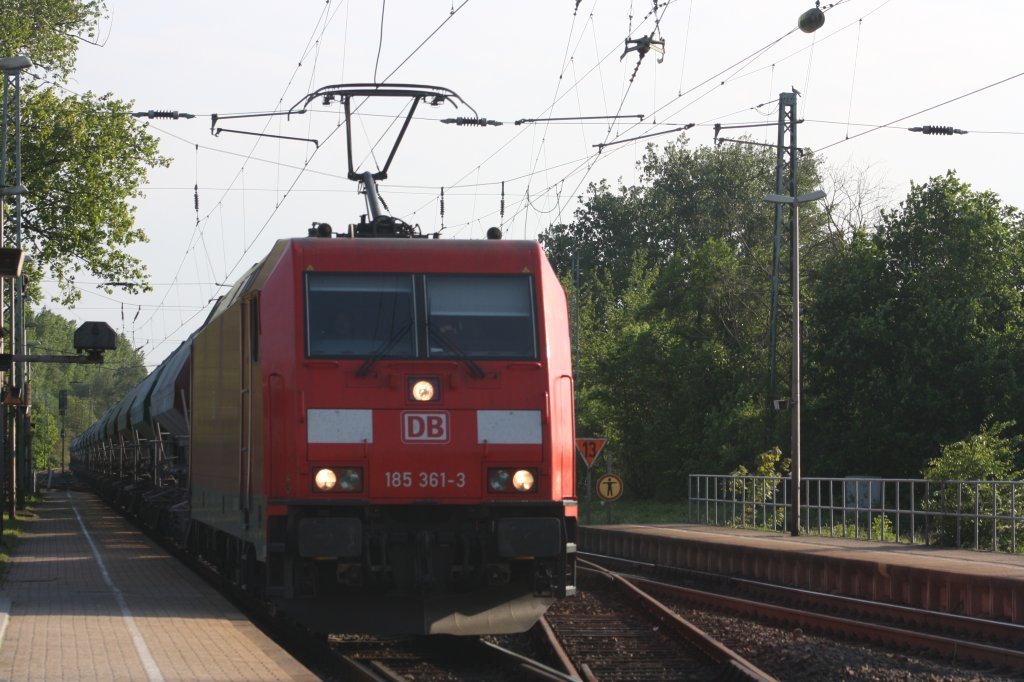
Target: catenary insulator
938,130
465,121
153,113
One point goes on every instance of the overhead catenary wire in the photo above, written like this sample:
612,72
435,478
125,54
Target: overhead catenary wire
310,42
380,43
922,111
193,241
331,134
622,133
853,77
734,70
478,176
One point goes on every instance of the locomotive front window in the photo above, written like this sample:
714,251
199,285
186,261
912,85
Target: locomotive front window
359,315
481,316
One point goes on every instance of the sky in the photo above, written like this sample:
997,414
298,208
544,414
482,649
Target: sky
863,78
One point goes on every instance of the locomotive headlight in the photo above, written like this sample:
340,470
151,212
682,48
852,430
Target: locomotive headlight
523,480
338,480
424,389
511,480
325,479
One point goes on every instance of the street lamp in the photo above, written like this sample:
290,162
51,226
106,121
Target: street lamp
795,381
62,406
10,114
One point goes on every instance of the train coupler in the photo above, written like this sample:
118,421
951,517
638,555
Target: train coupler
350,575
543,581
498,574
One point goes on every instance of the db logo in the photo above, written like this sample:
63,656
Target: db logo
425,427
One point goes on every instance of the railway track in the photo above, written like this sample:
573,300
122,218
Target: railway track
361,658
599,635
611,631
946,637
439,659
614,631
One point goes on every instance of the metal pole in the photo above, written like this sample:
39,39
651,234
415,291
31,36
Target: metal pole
590,499
3,198
11,112
62,409
24,467
795,435
787,114
794,203
12,430
608,459
795,389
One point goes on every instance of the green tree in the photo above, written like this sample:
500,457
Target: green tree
672,288
971,475
92,389
48,31
915,333
46,442
986,455
684,198
84,157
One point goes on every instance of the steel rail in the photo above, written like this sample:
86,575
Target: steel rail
944,648
367,672
705,645
555,646
936,621
535,668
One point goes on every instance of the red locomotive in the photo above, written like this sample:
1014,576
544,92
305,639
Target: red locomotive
374,434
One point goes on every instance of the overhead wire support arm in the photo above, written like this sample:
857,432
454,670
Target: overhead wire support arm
719,126
521,121
739,126
226,117
720,140
88,359
218,131
600,146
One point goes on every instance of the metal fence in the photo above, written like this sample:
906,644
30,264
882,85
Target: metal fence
980,515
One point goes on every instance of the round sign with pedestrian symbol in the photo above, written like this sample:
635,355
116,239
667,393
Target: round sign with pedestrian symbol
609,487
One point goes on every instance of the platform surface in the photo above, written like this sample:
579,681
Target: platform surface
90,597
971,583
998,564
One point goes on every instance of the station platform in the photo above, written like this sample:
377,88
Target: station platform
976,584
89,597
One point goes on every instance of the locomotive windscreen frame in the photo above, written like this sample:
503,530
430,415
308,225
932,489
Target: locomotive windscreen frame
420,316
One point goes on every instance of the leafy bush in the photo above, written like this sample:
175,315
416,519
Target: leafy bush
759,490
976,475
881,529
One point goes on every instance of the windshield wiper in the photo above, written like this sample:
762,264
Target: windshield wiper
454,349
385,347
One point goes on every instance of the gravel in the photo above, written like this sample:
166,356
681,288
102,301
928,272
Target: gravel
790,654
